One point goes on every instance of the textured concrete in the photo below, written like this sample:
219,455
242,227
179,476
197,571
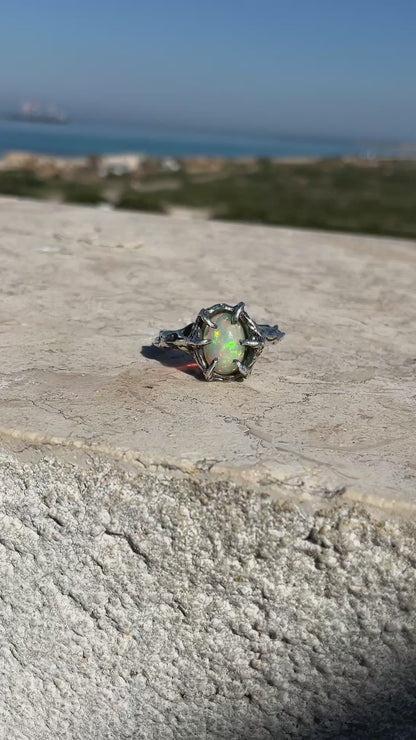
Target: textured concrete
134,606
181,559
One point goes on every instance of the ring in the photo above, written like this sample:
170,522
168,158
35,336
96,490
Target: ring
224,341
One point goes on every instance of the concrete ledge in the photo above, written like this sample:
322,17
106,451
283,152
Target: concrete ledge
183,559
330,409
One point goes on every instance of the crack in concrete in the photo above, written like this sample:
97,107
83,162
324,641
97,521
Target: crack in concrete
134,547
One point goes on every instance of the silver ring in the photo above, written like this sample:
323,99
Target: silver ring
224,341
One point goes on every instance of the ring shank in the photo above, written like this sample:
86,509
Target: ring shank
174,338
271,333
179,338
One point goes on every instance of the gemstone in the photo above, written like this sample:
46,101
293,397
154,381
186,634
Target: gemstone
225,343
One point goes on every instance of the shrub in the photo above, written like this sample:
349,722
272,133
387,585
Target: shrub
135,201
23,183
84,193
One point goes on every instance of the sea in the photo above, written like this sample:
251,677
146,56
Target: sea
87,139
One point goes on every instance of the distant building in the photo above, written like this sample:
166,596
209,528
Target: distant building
170,164
119,164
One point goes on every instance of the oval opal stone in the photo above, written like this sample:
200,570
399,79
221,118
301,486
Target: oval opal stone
225,343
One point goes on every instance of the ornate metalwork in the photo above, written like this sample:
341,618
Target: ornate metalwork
190,339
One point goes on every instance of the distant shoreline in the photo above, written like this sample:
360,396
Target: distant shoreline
74,140
33,159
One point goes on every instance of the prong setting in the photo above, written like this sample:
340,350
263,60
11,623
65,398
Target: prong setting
237,310
242,369
208,373
203,315
193,343
197,336
251,343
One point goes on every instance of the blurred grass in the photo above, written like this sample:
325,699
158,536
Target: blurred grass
82,193
370,197
22,183
132,200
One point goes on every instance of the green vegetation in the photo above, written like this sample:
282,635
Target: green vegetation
372,197
136,201
369,197
23,183
82,193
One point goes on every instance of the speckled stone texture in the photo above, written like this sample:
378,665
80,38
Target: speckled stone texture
157,607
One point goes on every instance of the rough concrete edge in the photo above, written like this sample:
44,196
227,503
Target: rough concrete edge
348,237
29,447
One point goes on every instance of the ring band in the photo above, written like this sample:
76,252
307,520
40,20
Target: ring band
224,341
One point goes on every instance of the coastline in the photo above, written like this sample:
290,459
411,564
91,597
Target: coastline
83,140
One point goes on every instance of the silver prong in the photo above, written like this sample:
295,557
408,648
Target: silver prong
251,342
206,319
199,342
238,308
210,369
243,370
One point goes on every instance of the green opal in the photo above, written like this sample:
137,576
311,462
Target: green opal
225,343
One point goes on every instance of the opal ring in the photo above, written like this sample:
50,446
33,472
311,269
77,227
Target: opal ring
224,341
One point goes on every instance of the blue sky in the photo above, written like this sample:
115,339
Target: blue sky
320,67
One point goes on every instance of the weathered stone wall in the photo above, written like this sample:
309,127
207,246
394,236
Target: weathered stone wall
157,607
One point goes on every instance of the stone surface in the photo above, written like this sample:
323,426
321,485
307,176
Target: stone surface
330,409
225,344
142,607
180,559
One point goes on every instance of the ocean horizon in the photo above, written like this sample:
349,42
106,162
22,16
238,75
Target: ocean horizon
71,140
